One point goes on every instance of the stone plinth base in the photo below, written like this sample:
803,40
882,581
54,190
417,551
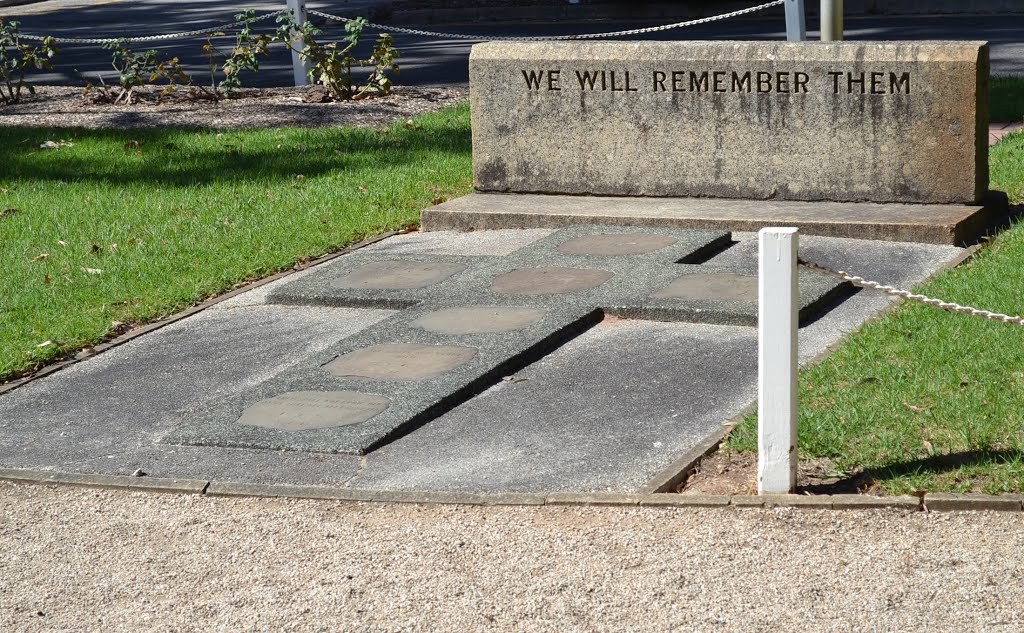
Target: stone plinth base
928,223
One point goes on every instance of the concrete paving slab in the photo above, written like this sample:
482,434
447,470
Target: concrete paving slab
413,375
553,425
125,398
491,243
578,420
929,223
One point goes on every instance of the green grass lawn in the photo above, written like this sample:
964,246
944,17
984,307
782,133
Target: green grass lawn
127,226
124,226
923,399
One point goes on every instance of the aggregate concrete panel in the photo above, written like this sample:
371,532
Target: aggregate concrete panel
893,263
332,284
843,121
542,273
412,402
612,244
398,275
479,319
124,399
722,286
577,420
304,410
216,463
400,361
490,243
421,372
103,406
548,281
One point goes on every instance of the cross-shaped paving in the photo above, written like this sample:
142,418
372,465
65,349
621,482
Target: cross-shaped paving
465,322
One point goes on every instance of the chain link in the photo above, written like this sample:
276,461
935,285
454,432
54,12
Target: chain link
151,38
399,29
948,306
585,36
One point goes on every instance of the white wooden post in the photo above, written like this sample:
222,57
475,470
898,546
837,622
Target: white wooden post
300,68
831,20
796,21
778,309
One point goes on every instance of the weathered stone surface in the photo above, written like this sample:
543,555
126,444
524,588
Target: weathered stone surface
401,361
305,410
479,319
545,281
398,275
456,338
616,244
843,121
721,286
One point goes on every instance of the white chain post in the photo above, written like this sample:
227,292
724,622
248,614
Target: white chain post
300,68
778,309
796,21
831,20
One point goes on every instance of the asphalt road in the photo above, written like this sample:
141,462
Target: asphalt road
431,61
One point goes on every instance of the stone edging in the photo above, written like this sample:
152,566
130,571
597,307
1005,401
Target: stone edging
940,502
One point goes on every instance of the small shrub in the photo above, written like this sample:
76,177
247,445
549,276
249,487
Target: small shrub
172,72
246,53
133,69
331,63
17,58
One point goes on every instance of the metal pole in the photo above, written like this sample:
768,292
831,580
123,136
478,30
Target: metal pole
778,307
796,23
300,68
831,20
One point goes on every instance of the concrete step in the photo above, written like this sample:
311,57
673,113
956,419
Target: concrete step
926,223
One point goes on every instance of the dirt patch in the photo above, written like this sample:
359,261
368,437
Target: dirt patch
731,473
63,106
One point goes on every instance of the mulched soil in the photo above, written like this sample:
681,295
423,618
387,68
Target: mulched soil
732,473
62,106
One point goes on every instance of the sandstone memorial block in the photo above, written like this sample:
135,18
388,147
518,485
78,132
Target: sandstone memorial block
841,121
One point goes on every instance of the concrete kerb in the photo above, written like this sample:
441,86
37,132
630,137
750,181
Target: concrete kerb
930,502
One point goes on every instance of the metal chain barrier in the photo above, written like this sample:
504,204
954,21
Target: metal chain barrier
399,29
889,290
152,38
585,36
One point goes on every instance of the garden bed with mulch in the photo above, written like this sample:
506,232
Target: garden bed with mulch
61,106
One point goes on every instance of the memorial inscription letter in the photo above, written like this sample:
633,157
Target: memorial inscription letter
846,121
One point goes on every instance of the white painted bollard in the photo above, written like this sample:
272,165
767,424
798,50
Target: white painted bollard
778,310
300,68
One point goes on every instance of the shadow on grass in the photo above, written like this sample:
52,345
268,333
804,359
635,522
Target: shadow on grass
189,157
932,465
1006,99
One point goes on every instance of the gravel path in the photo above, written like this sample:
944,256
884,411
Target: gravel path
80,559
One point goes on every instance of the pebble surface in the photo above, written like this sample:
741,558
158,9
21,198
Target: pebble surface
76,559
